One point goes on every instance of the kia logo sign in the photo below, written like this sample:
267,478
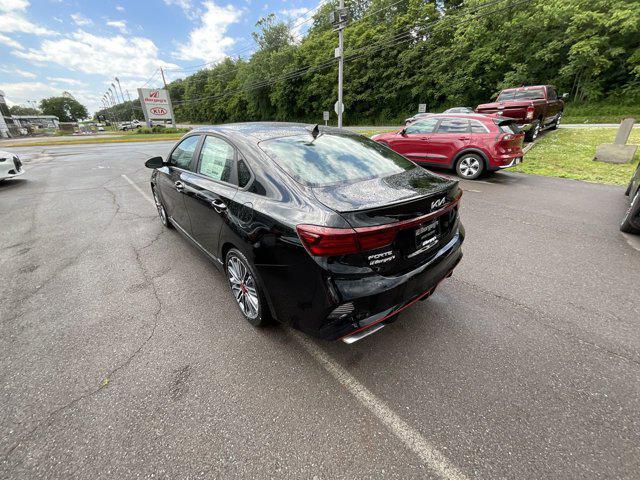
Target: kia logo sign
158,111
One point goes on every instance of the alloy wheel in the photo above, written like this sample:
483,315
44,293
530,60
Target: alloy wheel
469,166
161,210
536,131
243,286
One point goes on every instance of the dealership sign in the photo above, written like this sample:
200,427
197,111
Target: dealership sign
156,105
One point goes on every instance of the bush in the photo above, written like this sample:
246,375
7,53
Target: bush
160,129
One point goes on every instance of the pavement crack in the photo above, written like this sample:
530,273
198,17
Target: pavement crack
52,416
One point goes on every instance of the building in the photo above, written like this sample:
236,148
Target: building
8,127
37,123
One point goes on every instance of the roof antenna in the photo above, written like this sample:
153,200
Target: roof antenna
315,132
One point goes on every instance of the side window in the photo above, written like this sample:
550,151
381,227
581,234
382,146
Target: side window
453,125
552,94
183,153
423,126
216,159
478,127
244,174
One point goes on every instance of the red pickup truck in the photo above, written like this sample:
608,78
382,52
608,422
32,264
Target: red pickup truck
534,108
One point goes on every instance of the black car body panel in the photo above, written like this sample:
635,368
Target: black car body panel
260,219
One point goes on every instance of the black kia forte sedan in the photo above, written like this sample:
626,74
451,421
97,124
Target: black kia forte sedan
324,230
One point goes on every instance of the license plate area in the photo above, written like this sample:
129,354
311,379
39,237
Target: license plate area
426,235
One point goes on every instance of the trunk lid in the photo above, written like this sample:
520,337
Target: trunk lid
416,209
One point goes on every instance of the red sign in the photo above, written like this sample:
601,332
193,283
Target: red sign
158,111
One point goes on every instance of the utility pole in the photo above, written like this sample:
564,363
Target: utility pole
164,81
339,21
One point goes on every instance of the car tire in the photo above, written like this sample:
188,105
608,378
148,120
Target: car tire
628,225
533,133
245,289
161,210
469,166
556,124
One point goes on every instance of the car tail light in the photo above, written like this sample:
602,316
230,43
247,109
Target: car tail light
530,111
328,242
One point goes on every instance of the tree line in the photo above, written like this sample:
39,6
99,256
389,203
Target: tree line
402,53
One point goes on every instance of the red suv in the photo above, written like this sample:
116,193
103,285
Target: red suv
470,143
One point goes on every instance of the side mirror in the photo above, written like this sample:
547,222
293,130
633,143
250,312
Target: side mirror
154,162
565,96
403,132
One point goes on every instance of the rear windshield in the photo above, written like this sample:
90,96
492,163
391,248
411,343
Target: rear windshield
534,94
334,158
509,128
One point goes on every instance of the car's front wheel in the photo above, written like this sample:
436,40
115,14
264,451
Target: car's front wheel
631,220
469,166
556,124
161,211
244,286
533,132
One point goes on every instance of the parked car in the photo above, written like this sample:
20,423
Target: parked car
534,108
631,221
324,230
10,165
459,110
416,117
129,125
469,143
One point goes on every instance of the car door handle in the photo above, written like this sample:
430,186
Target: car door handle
463,138
426,139
218,205
179,186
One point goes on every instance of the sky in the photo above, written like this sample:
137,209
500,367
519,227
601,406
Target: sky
79,46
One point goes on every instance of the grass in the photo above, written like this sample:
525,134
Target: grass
609,112
124,138
568,153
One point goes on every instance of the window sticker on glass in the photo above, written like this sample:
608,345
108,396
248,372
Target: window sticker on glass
216,159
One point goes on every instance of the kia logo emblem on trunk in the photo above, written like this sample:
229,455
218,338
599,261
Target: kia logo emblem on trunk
438,203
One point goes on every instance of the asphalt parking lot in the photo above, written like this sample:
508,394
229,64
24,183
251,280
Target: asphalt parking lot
123,355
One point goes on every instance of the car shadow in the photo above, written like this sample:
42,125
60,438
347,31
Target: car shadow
9,183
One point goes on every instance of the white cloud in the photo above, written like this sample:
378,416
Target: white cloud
10,42
119,24
68,81
13,5
15,21
22,91
209,42
185,5
84,52
17,71
81,20
120,8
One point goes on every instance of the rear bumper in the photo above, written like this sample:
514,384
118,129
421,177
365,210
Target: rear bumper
377,299
506,161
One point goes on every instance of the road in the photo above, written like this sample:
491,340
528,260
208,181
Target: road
123,355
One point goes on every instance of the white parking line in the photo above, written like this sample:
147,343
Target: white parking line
412,439
147,197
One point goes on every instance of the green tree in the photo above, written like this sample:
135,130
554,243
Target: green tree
67,109
20,110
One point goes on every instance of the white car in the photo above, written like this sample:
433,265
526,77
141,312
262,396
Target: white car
10,165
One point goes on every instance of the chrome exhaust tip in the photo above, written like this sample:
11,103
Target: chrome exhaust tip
353,338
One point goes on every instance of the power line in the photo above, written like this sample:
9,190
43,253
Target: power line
358,53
